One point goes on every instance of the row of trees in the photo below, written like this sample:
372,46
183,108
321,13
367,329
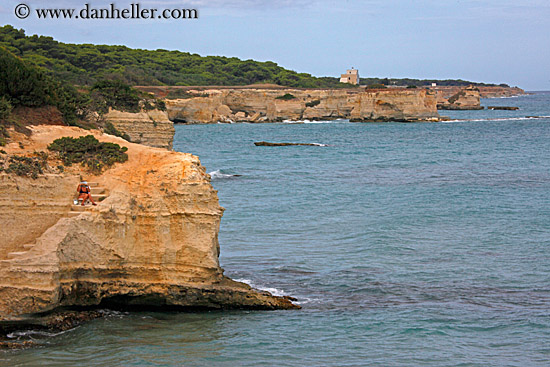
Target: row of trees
421,82
86,64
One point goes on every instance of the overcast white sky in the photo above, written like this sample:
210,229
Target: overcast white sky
493,41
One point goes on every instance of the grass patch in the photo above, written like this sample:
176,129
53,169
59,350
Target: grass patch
89,152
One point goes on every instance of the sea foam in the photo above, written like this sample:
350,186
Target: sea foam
273,291
219,175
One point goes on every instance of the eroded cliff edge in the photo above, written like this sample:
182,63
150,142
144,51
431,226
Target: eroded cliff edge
151,128
465,99
152,242
275,105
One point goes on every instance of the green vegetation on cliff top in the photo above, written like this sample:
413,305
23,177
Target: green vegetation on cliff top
23,84
86,64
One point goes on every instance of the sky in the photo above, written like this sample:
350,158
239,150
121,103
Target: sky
493,41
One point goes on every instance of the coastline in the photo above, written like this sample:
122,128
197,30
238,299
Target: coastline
197,106
271,103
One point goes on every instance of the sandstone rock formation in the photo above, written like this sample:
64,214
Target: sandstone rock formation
152,242
484,91
265,105
466,99
499,92
151,128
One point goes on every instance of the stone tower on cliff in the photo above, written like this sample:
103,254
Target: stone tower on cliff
351,76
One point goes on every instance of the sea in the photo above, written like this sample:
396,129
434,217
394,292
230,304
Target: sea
406,244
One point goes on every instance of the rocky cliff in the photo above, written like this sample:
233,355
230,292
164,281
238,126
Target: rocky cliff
499,92
484,91
153,240
466,99
151,128
273,105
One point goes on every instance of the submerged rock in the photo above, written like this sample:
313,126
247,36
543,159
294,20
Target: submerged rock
505,108
18,334
267,144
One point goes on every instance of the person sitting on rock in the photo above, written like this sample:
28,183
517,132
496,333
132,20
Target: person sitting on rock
84,193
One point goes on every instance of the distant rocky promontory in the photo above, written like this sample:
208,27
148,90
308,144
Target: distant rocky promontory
465,99
484,91
258,104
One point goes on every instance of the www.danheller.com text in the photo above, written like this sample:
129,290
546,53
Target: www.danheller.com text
87,11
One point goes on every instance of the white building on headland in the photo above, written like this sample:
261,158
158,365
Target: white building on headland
351,76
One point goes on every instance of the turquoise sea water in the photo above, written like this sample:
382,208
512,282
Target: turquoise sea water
422,244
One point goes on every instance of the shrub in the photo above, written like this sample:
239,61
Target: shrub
121,96
115,94
27,166
3,136
24,84
89,152
313,103
411,86
161,105
111,129
5,108
286,97
5,112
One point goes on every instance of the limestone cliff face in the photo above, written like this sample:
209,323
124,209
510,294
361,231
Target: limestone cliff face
266,105
151,128
484,91
29,207
466,99
152,242
498,92
395,105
